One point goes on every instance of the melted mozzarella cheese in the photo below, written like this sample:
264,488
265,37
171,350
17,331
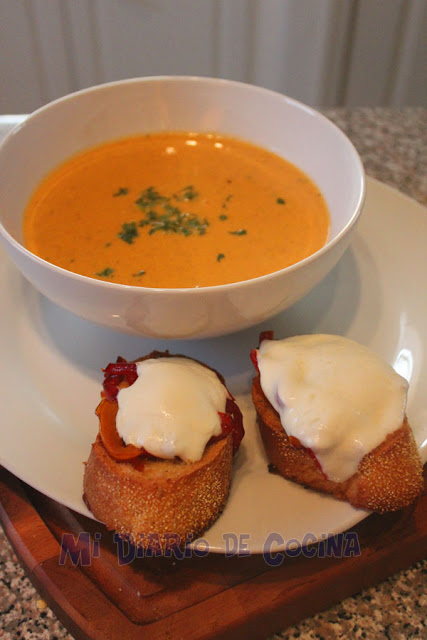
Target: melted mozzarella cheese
172,408
333,394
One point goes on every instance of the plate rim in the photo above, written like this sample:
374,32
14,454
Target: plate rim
355,518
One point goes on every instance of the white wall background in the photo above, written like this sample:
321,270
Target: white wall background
323,52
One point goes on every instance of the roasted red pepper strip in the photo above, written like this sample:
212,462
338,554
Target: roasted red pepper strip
264,335
107,412
295,442
237,420
254,358
231,422
117,373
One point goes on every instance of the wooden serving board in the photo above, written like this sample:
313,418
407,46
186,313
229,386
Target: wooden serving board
198,597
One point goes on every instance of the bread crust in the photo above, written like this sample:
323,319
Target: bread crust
165,498
388,478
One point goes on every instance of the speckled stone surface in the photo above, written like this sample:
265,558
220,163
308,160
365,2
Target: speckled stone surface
393,146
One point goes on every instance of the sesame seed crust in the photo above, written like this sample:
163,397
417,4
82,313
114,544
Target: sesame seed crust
388,478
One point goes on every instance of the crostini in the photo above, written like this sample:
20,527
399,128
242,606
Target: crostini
332,417
161,465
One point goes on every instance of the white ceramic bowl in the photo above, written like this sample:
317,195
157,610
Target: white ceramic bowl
119,109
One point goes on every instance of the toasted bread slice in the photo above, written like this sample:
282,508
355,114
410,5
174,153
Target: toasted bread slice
388,478
164,498
146,498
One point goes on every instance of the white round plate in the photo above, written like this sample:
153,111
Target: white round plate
50,377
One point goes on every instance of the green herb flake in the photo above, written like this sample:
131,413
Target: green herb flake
162,215
187,193
280,201
220,257
138,274
223,217
239,232
108,271
129,232
227,200
150,197
121,191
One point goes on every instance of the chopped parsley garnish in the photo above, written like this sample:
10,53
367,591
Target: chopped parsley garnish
121,191
280,201
129,232
223,217
149,198
162,214
138,274
239,232
227,200
187,193
108,271
175,221
220,257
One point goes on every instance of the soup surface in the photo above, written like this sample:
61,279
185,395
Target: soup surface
176,210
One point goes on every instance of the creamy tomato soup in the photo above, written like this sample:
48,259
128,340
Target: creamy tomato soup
176,210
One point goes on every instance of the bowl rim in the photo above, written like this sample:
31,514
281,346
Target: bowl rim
25,120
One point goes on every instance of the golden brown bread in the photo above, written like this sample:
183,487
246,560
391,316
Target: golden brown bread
150,498
165,497
388,478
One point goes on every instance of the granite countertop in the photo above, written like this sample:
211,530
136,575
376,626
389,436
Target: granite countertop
393,147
